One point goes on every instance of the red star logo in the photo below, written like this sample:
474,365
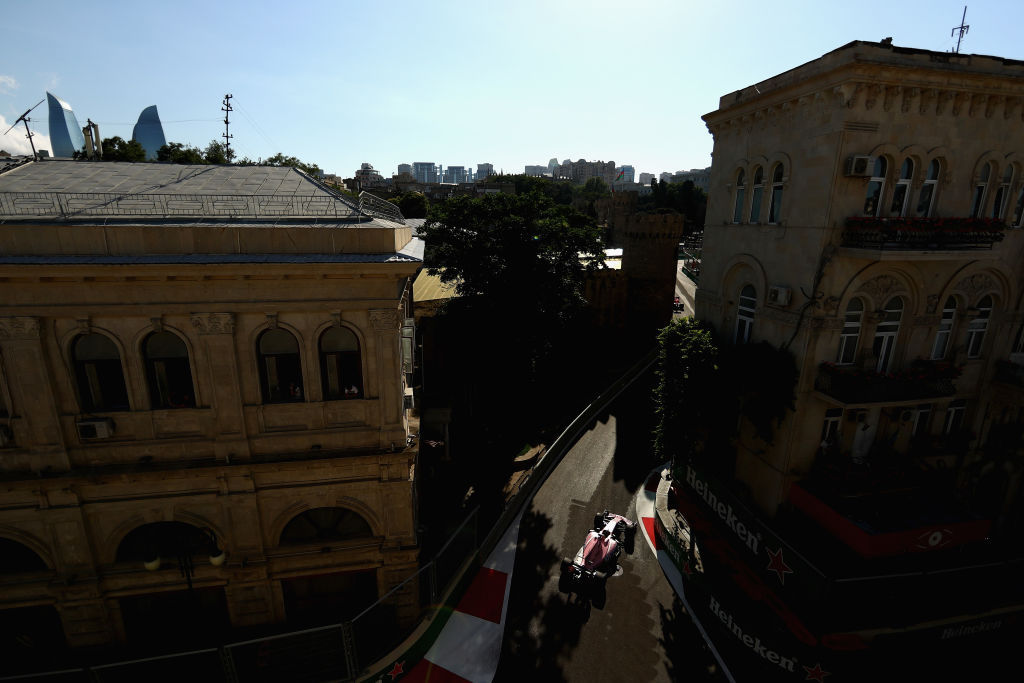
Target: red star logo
396,670
779,566
816,674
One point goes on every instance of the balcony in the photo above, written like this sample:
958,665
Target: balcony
852,385
922,234
1010,373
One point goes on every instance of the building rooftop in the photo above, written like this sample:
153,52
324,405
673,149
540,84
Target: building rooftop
73,190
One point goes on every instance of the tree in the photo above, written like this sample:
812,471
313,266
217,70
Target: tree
282,160
118,149
521,254
177,153
218,153
411,204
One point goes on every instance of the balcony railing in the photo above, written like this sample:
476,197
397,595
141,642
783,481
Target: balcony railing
1010,373
921,380
922,234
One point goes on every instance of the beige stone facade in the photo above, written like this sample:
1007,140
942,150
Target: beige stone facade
871,131
308,489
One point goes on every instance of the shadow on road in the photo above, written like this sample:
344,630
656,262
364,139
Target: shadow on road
688,656
634,429
536,647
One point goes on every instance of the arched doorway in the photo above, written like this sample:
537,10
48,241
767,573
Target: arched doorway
327,598
31,638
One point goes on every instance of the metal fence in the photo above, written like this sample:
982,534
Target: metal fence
337,652
78,204
372,205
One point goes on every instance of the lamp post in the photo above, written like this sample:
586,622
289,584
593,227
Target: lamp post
184,546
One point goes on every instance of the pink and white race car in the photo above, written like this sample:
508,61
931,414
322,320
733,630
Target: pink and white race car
598,558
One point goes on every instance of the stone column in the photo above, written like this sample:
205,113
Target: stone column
34,419
387,382
217,336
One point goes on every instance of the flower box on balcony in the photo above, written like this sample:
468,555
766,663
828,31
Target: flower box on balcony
922,233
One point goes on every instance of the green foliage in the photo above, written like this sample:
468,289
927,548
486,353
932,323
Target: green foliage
177,153
764,378
118,149
282,160
218,153
558,191
526,255
688,378
685,198
411,204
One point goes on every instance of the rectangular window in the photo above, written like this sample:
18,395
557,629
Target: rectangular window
942,336
775,207
924,201
755,204
899,199
737,213
977,200
975,336
830,428
954,417
873,198
922,416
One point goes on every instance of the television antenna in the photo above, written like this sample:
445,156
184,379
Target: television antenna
963,28
28,133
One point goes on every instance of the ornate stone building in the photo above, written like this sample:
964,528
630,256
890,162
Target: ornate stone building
865,213
202,402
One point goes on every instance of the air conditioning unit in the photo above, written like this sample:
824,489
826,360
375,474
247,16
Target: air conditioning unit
860,166
95,429
779,295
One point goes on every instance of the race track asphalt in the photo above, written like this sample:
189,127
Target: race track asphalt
642,632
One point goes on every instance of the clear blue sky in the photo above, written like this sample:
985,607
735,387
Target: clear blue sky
511,83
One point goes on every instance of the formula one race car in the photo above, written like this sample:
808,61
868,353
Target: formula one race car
598,558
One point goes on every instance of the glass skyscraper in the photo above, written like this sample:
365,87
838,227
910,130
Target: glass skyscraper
148,132
65,133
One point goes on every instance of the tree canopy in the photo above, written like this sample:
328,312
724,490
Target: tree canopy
684,197
522,252
177,153
218,153
282,160
119,149
411,204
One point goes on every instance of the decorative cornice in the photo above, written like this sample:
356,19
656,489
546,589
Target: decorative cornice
19,327
384,319
214,323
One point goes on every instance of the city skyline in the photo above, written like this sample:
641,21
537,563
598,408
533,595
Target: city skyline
529,92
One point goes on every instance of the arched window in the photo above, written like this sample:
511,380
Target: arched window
1018,211
980,190
168,371
885,333
325,524
745,315
977,328
901,192
926,199
756,192
876,185
16,558
280,367
775,204
850,335
340,365
737,211
168,541
99,373
945,330
1002,193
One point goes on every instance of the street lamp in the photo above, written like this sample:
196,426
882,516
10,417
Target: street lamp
185,542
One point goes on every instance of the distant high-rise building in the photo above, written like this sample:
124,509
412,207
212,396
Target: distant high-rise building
149,132
424,171
553,165
581,171
484,170
455,174
65,134
701,177
536,170
628,174
666,176
646,178
405,168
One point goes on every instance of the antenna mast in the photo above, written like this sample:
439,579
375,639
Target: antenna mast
28,133
226,108
963,28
